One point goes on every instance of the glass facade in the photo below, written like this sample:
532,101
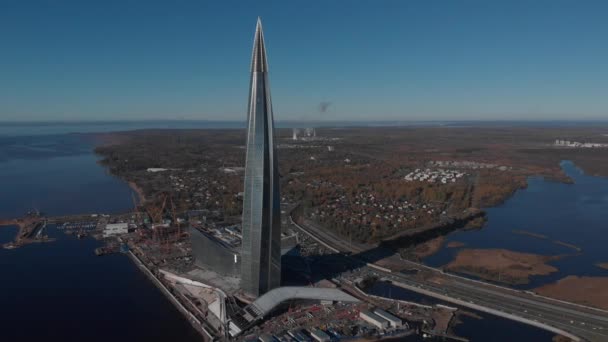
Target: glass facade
261,246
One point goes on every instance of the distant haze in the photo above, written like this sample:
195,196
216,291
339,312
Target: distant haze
328,60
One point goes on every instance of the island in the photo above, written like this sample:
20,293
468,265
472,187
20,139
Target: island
501,265
428,248
455,244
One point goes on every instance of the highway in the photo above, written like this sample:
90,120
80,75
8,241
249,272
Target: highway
589,324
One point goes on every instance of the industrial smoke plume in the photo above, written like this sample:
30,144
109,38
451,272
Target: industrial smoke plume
324,106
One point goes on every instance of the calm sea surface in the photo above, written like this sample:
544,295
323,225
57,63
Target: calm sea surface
61,291
572,213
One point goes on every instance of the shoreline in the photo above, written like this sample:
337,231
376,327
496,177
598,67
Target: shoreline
194,322
494,312
140,193
11,223
545,237
603,265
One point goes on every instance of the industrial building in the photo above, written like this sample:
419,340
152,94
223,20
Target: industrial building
115,229
219,249
373,319
261,246
266,338
298,335
394,322
320,335
215,252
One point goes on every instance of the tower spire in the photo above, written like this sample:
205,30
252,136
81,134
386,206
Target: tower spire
258,59
261,244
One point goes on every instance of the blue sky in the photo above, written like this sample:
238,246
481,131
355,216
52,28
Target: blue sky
373,60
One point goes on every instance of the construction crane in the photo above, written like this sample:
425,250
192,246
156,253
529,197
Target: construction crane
156,214
176,221
135,207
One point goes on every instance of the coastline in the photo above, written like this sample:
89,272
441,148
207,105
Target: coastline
196,324
140,193
494,312
603,265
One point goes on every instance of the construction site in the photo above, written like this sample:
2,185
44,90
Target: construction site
160,240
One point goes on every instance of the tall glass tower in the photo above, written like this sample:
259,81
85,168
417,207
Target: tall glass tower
261,248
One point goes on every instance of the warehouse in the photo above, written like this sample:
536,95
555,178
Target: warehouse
392,320
373,319
115,229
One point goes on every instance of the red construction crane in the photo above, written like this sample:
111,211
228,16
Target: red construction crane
156,214
176,221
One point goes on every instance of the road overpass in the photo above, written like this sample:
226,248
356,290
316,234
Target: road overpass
587,323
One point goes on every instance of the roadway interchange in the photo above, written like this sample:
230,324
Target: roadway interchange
588,324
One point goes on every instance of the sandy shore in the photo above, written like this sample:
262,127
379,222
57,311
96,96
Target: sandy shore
428,248
603,265
7,223
138,191
591,291
569,245
545,237
501,265
455,244
531,234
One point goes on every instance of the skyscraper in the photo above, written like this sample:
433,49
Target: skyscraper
261,247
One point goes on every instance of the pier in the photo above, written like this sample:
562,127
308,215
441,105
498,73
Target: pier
32,226
31,230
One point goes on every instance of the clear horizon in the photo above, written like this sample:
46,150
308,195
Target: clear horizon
413,61
84,121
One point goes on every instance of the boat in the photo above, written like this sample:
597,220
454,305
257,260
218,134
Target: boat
81,234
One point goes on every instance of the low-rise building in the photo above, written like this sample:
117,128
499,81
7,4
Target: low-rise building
115,229
392,320
320,335
266,338
373,319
